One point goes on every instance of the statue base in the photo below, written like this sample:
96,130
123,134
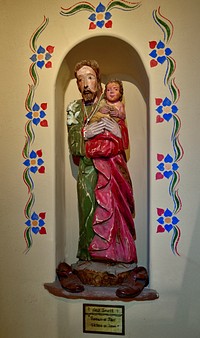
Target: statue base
99,293
100,281
102,274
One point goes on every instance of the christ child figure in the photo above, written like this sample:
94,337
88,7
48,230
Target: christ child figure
111,106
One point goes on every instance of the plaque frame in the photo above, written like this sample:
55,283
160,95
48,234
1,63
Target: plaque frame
104,319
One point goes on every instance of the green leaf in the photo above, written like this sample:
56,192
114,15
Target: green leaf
77,8
123,5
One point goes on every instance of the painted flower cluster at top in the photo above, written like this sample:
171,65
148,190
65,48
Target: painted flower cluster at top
101,15
100,18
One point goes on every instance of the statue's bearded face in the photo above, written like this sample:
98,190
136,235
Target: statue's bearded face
87,83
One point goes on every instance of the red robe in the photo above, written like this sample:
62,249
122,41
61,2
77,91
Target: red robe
113,223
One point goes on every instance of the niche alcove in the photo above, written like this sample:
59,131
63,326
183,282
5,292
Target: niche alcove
117,59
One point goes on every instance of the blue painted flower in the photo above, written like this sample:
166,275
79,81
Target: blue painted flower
37,114
159,53
100,18
166,109
34,163
167,167
167,220
42,57
36,222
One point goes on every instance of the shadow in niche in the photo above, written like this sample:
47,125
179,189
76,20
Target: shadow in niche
117,59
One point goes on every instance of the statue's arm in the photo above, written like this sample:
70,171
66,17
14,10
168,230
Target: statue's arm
118,129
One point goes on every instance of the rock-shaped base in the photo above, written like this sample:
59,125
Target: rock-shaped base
102,274
100,281
99,293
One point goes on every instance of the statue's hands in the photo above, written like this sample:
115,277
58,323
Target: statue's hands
93,129
112,126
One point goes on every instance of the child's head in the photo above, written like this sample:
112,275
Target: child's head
114,91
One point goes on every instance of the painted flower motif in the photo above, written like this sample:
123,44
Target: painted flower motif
72,114
34,163
166,221
159,53
37,114
100,18
166,166
165,109
42,57
36,222
101,15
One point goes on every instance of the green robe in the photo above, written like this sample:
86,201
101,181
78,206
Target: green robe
87,177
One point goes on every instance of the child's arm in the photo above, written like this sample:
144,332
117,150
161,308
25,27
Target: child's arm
118,111
105,109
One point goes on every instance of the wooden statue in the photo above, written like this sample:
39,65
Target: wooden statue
98,137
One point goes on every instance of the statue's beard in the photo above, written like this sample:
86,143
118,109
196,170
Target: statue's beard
89,96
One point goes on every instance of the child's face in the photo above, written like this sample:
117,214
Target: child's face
113,92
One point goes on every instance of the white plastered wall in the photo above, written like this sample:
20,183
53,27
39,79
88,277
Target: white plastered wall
27,310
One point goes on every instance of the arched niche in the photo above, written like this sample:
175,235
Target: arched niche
117,59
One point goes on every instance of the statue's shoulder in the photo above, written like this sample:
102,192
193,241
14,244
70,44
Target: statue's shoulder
74,113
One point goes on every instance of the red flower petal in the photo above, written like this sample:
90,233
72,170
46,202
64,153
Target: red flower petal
153,63
160,211
48,64
50,49
158,101
108,24
152,44
159,119
160,157
44,123
42,215
92,25
43,106
41,170
160,228
39,152
159,176
42,231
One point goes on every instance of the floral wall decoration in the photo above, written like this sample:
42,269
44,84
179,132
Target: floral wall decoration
101,15
36,115
167,110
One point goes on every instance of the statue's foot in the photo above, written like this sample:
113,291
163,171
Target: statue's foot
68,280
134,284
